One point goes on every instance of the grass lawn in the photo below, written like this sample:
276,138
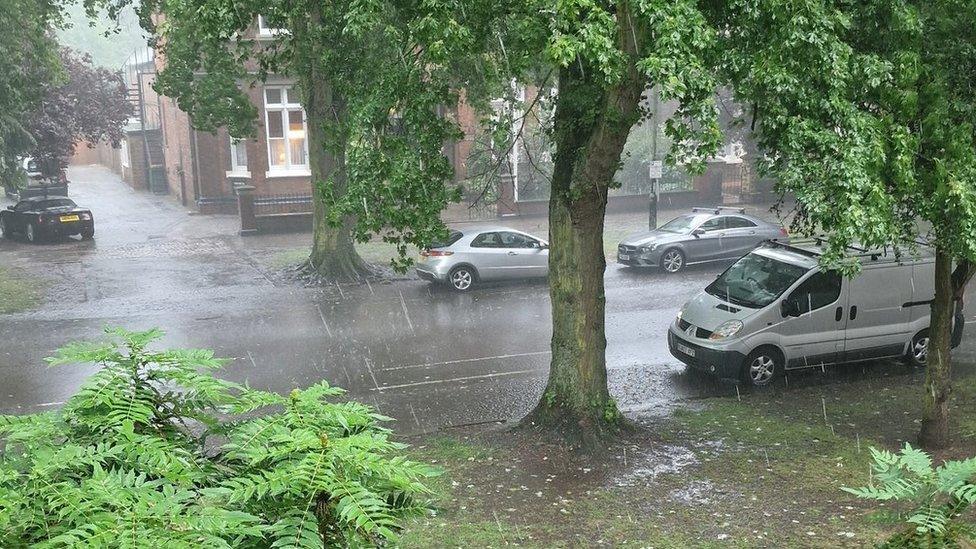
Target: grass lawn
18,292
763,471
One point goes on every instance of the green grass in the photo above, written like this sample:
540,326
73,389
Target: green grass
18,292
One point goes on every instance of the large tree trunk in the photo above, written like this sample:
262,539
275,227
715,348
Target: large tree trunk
934,433
591,128
333,253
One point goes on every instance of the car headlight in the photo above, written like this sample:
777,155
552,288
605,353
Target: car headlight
645,249
726,330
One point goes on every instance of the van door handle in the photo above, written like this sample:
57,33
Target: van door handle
512,253
853,312
839,314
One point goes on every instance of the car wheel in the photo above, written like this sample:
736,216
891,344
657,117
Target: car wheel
918,351
461,278
672,260
30,233
3,229
762,367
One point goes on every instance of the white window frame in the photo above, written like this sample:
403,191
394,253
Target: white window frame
289,169
264,31
237,170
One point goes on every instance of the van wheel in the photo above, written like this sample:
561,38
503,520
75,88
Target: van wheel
762,367
918,351
461,278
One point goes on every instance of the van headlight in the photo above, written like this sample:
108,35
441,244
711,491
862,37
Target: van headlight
726,330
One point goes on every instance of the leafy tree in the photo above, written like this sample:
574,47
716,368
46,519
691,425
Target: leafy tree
604,55
868,116
154,451
88,105
373,77
937,497
28,63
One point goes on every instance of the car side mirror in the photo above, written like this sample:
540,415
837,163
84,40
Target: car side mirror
698,232
789,308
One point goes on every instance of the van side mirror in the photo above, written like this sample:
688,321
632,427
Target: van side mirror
698,232
789,308
11,208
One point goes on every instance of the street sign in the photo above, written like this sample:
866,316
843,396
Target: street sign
656,169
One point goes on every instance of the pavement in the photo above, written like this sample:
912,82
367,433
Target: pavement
422,354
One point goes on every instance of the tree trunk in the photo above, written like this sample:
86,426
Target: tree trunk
592,123
934,433
333,253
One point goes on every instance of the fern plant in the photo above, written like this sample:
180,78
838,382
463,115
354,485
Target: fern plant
936,498
154,451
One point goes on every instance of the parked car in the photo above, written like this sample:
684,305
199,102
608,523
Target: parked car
42,217
30,181
704,235
740,326
487,253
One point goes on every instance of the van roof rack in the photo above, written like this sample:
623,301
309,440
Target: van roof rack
795,245
718,209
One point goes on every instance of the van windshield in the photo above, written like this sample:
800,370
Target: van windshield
755,281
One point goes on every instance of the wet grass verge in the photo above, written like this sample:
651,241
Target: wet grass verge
18,291
761,471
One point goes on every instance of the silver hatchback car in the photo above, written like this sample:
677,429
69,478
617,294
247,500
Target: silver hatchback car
484,253
704,235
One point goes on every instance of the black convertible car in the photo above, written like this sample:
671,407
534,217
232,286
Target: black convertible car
41,217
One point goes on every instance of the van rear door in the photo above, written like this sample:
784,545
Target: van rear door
877,321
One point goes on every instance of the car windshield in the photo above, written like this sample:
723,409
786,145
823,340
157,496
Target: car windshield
755,281
683,224
56,204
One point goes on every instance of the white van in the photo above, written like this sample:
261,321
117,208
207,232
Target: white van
775,309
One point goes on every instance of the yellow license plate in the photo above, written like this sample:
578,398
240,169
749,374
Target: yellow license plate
68,218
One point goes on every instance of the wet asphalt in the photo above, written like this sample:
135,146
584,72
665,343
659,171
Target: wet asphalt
422,354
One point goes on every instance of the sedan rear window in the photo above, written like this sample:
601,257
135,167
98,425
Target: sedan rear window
452,237
56,203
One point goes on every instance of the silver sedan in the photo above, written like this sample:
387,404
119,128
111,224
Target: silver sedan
702,236
484,253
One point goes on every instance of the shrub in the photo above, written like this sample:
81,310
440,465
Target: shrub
936,497
155,451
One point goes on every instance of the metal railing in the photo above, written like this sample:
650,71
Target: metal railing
282,204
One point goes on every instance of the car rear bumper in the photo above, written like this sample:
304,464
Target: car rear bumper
721,363
66,229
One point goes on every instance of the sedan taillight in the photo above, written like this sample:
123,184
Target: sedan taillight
85,216
783,232
435,253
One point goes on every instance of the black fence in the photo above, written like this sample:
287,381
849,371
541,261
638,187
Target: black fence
282,204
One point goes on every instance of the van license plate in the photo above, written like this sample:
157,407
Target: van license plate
685,349
623,257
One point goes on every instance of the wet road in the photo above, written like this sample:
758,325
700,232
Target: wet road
422,354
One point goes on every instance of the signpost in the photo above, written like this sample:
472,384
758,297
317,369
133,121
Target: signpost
656,171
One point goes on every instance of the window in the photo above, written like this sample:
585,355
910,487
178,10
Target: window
739,223
238,156
265,30
755,281
286,130
818,291
516,240
486,240
714,224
